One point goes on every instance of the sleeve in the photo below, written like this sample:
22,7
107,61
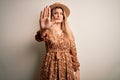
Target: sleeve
40,35
73,52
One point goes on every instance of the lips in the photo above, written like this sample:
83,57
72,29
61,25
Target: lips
58,19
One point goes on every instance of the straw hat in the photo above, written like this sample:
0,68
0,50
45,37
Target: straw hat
65,8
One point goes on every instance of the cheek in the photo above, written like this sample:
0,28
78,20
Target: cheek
54,16
61,16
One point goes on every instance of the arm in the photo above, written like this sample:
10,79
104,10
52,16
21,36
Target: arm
73,52
45,24
40,35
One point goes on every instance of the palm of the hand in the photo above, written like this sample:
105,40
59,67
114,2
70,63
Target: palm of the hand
45,21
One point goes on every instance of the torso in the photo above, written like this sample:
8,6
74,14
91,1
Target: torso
57,41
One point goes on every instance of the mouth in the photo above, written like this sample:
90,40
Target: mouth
58,19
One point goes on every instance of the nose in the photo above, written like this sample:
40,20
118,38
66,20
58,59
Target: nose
58,15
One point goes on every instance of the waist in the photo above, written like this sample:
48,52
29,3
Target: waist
58,50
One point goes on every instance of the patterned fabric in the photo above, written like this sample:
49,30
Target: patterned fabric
60,60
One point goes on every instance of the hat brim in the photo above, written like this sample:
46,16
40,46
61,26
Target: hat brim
65,8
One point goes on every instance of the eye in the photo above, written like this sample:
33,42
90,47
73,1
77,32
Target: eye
55,12
61,13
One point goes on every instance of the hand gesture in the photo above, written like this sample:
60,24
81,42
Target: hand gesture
45,18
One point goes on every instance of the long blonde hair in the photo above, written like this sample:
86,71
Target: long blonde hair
65,26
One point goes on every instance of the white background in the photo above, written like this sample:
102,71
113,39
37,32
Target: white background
95,25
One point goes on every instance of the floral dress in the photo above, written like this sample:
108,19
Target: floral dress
60,60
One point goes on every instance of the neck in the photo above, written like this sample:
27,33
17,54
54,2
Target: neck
56,27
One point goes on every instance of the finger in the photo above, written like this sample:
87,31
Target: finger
44,13
49,12
41,15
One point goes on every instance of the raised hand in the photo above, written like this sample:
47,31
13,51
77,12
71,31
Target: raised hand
45,18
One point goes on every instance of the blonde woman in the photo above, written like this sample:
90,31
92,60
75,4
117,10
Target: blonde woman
60,62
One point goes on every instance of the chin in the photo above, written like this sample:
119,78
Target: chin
58,22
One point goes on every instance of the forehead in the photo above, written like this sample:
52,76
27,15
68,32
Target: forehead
57,10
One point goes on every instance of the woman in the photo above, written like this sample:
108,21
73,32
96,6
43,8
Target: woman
60,62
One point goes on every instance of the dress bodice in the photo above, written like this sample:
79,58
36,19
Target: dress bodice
55,41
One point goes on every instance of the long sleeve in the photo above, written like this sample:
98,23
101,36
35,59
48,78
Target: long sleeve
73,52
40,35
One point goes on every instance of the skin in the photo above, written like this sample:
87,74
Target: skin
58,15
46,22
54,24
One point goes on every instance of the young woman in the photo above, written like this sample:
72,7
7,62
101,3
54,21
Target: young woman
60,62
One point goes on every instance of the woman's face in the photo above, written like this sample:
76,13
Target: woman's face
57,15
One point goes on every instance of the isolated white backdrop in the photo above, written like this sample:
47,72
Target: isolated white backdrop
95,24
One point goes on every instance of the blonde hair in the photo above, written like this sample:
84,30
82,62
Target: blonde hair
64,25
66,28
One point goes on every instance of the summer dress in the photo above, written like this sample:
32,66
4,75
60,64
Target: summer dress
60,60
